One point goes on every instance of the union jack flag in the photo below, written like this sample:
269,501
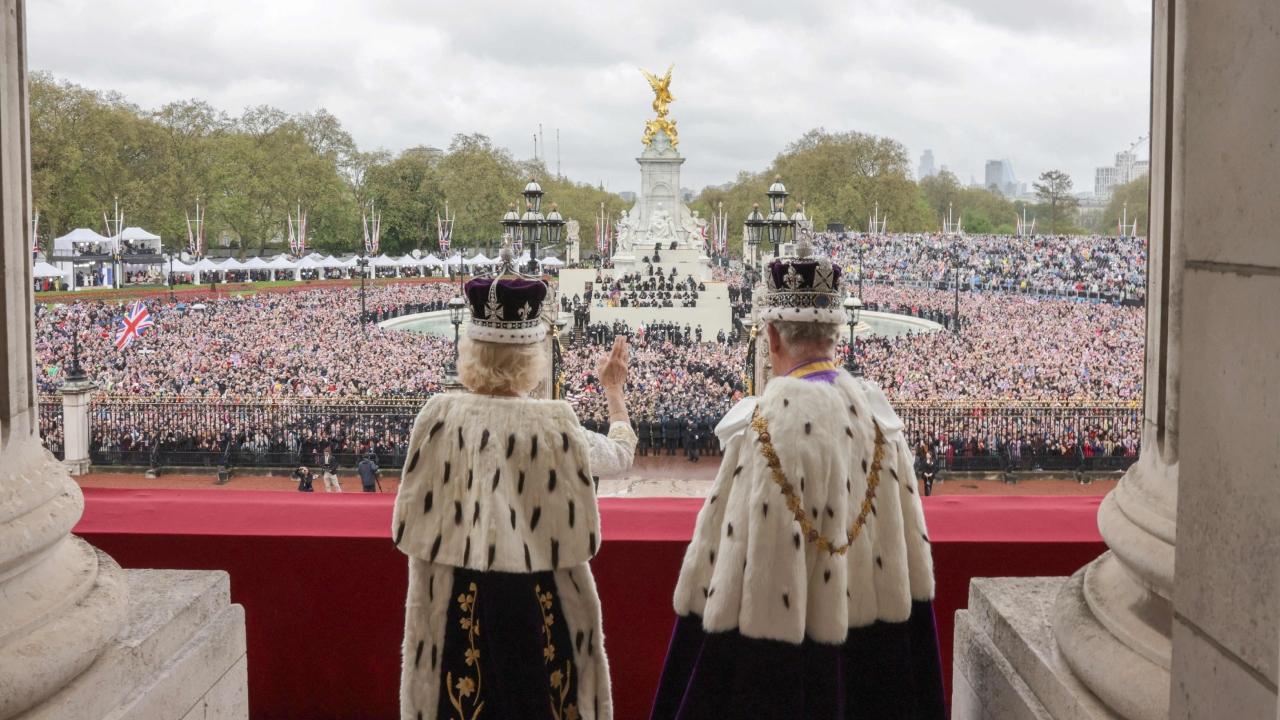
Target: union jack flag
132,324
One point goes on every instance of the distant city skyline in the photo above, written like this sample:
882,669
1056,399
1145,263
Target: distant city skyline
399,74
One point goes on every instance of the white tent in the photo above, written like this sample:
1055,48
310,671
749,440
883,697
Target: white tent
550,261
309,262
330,261
409,261
281,262
63,245
256,263
232,264
204,265
136,233
179,267
45,270
350,262
479,259
384,261
455,259
432,261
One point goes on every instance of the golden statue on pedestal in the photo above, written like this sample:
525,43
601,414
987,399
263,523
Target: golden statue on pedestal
661,98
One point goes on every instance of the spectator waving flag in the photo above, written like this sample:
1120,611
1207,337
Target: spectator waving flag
132,325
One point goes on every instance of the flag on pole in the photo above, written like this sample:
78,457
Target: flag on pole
132,324
444,228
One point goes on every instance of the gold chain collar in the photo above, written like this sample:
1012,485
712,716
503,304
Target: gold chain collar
810,532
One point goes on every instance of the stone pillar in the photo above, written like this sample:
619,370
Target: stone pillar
64,601
75,425
79,637
1226,611
1127,636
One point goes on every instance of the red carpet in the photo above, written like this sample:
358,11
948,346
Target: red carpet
323,587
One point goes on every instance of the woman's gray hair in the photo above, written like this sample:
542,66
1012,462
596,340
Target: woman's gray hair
497,368
807,335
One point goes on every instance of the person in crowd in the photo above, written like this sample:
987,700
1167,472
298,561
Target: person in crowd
305,479
794,600
329,467
367,469
497,513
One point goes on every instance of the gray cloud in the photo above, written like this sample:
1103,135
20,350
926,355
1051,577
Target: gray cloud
1047,85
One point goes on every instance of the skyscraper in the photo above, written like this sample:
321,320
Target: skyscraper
1000,178
926,166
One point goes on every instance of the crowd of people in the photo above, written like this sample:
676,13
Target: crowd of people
232,352
1108,267
304,343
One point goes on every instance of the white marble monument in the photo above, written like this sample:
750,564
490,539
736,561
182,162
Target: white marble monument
661,232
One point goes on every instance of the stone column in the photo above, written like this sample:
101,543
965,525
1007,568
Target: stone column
75,424
1112,619
63,601
1226,610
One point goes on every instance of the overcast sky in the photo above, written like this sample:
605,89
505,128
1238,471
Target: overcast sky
1049,84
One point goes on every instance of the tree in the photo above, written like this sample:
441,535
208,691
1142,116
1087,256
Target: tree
1054,191
941,191
1128,201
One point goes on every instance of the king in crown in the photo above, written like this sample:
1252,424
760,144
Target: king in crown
807,589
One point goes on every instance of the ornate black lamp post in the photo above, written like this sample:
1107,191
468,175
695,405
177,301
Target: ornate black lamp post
533,222
781,228
171,295
457,313
75,374
557,364
853,309
755,224
862,245
363,264
955,266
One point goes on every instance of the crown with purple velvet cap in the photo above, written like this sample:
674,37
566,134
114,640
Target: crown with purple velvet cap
803,289
507,307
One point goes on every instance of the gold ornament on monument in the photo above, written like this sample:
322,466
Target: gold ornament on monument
661,98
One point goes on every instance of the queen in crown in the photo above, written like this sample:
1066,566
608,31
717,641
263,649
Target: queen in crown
497,513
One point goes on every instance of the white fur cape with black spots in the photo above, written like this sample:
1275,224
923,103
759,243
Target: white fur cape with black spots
750,566
506,485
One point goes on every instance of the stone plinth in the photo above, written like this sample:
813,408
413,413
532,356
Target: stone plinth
75,426
1006,663
181,655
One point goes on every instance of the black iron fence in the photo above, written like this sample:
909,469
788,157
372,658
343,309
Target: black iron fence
272,432
50,419
1021,436
267,432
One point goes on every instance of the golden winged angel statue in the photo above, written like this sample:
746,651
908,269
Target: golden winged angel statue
662,97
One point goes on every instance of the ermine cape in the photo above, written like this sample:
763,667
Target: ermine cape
497,513
771,624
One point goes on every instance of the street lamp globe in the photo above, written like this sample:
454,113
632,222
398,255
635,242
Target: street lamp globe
511,222
755,223
533,194
777,193
555,222
457,310
853,309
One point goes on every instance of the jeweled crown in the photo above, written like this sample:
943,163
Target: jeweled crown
803,288
507,307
